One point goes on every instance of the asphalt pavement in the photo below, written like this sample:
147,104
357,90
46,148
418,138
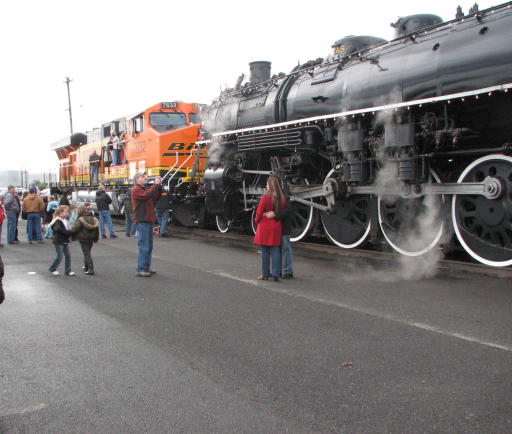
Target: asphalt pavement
202,346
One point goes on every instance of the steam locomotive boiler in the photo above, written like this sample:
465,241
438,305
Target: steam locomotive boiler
395,140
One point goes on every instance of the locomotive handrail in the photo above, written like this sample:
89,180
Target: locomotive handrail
174,174
395,106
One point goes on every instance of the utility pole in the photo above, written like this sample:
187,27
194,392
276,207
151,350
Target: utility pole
68,80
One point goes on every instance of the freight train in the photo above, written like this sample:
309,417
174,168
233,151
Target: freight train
381,141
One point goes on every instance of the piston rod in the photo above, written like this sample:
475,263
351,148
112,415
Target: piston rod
490,188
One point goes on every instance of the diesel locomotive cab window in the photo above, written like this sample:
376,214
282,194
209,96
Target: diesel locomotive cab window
163,122
195,118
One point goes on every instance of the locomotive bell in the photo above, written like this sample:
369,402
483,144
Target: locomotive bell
260,71
413,23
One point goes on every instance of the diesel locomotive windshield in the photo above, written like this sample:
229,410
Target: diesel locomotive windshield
195,118
163,122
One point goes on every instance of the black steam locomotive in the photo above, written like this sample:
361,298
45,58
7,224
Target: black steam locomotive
381,140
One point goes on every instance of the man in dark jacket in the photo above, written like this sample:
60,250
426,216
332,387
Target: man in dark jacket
143,201
129,225
163,207
94,167
12,210
103,202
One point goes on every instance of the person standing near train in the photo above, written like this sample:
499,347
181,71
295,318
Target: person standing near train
94,167
33,206
12,209
268,232
103,202
114,142
143,202
163,207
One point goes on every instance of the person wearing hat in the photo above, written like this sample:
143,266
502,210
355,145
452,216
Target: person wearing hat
143,202
33,206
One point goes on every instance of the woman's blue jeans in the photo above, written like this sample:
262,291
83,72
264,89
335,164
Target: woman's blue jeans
266,253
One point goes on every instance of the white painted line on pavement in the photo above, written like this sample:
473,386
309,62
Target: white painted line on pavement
20,411
364,311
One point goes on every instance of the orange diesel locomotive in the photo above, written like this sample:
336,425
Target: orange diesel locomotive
158,141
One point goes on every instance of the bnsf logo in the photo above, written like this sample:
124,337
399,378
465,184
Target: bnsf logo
173,147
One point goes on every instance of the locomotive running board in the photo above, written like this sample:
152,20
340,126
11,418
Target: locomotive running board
419,102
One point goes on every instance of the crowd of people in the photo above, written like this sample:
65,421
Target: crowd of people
143,206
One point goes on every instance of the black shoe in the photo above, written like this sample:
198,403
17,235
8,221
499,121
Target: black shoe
128,235
40,242
104,236
30,242
276,279
151,271
113,236
90,272
164,236
287,276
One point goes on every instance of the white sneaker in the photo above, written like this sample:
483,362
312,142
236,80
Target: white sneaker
55,273
71,273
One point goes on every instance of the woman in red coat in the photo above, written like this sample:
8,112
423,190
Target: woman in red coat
268,233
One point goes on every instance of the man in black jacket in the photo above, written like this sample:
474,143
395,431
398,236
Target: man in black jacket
103,202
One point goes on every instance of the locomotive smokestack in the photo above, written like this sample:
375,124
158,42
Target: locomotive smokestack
260,71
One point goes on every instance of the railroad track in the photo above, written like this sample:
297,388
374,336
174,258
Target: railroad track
372,257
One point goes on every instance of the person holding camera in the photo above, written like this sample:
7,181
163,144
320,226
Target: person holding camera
143,202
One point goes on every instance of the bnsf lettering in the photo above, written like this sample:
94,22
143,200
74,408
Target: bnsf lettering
179,146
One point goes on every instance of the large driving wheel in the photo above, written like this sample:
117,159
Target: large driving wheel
302,219
412,226
484,226
223,224
348,227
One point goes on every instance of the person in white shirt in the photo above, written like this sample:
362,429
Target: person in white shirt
114,141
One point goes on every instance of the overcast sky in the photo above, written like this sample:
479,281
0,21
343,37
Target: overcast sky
126,55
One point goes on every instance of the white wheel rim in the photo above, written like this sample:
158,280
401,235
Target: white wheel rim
356,243
408,252
253,223
454,213
222,226
306,229
308,224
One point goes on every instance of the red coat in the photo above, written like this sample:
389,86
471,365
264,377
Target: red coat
2,214
268,232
